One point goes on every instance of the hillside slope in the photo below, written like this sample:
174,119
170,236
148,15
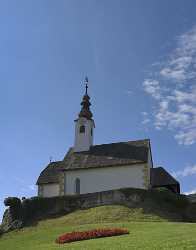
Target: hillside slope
154,233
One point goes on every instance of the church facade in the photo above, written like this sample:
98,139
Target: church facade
88,168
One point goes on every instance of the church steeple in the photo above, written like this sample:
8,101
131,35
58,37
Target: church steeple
85,111
84,124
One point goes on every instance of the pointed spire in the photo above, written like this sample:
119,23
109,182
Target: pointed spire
86,81
85,111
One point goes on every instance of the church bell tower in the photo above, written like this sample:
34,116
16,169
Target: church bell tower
84,125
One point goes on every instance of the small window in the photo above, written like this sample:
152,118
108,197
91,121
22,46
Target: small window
77,186
91,132
82,129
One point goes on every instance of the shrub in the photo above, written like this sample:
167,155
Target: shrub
1,230
91,234
36,206
166,199
14,204
12,201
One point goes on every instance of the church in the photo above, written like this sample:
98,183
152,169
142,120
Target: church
89,168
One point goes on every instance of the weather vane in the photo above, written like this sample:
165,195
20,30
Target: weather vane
86,82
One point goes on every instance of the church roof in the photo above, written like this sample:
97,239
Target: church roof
50,174
160,177
105,155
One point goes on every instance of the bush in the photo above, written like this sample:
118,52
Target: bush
1,230
166,198
15,210
33,207
91,234
40,207
12,202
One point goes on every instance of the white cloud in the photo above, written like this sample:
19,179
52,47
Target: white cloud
187,171
186,138
173,87
152,87
145,121
173,74
181,63
146,118
193,191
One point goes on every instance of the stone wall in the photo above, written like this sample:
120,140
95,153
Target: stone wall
164,203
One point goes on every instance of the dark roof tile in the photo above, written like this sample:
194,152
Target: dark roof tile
50,174
105,155
160,177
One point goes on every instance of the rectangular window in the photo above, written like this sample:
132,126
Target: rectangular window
82,129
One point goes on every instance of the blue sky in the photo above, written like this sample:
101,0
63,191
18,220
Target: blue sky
140,57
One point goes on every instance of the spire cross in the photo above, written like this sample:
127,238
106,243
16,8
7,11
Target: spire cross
86,81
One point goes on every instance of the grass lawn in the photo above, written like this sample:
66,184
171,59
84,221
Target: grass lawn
146,232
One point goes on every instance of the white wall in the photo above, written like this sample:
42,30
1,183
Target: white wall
103,179
50,190
83,141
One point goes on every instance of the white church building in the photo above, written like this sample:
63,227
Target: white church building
89,168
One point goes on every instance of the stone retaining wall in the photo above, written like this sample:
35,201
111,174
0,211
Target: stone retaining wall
151,201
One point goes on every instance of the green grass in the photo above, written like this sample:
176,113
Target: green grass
146,231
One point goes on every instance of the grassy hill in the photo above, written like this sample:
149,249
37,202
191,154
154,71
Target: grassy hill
147,231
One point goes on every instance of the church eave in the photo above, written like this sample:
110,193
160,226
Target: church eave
103,166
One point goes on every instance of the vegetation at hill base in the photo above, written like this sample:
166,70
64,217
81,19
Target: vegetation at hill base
147,231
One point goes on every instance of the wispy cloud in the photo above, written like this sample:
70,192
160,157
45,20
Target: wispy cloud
152,87
172,84
129,92
187,171
145,117
23,186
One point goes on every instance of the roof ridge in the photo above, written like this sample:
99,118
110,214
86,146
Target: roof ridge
52,162
147,139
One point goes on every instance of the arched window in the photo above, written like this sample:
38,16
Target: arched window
77,186
82,129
